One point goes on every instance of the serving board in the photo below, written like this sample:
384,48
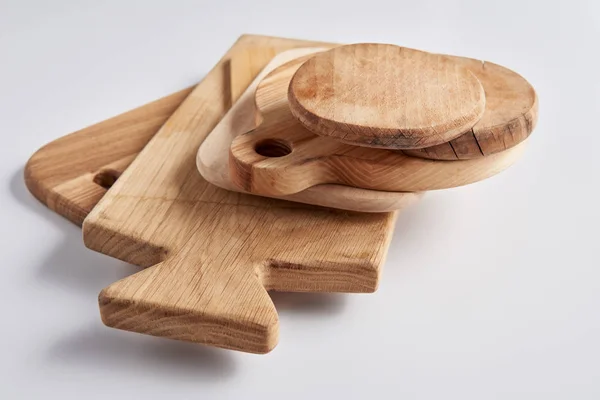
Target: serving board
71,174
511,115
282,157
211,254
385,96
213,155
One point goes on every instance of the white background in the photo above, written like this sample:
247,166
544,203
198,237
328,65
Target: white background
490,291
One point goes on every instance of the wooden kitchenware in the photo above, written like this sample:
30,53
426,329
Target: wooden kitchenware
381,95
281,156
211,254
213,155
71,174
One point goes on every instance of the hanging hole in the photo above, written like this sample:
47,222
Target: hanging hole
273,148
106,178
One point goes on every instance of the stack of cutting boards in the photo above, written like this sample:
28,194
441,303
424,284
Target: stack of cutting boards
225,199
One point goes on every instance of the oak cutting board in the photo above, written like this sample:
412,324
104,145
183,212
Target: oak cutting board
281,157
211,255
213,155
71,174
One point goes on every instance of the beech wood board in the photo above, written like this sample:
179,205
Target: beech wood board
213,155
211,254
298,159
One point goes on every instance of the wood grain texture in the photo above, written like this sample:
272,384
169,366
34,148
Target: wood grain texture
511,114
385,96
312,160
71,174
211,254
213,155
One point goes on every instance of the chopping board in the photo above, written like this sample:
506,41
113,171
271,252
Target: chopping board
385,96
282,156
211,254
71,174
213,155
392,97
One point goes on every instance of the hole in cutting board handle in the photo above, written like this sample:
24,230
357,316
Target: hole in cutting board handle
106,178
273,148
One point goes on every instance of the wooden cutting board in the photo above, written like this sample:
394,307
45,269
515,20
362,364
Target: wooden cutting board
282,157
211,254
71,174
385,96
213,155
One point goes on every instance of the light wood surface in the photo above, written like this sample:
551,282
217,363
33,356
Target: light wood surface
385,96
298,159
213,155
71,174
511,113
211,254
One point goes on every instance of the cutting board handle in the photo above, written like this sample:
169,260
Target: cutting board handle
281,157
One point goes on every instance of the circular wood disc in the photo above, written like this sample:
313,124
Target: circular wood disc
386,96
